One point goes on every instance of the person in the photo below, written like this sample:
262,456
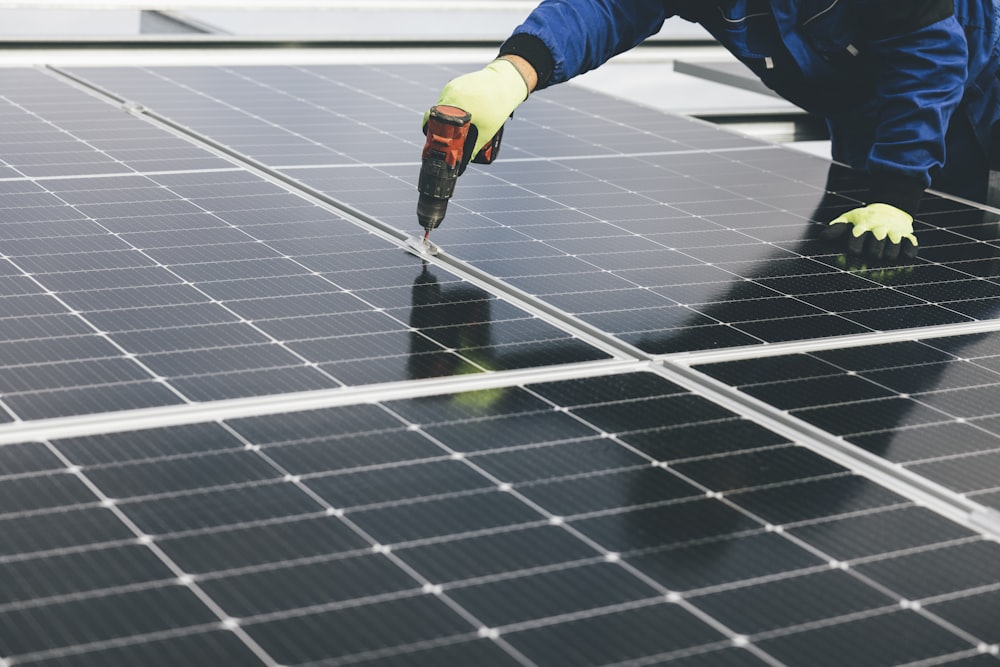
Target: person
909,88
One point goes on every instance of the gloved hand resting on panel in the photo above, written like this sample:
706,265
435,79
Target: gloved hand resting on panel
880,231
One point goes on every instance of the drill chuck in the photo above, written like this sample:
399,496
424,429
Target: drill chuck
431,210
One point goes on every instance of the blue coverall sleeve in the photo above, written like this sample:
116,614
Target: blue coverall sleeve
584,34
920,78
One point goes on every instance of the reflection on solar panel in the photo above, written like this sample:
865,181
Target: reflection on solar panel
242,426
904,401
155,289
668,233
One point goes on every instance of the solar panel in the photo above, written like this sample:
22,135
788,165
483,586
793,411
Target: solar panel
400,531
241,426
143,290
932,405
732,73
666,232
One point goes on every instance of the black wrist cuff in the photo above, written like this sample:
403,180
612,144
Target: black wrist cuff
533,50
899,191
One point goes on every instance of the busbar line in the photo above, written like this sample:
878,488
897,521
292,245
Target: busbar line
273,404
540,159
919,489
121,174
829,343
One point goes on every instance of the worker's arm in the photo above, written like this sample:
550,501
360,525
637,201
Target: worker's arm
919,56
525,69
564,38
558,40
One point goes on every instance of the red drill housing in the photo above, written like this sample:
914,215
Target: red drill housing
443,160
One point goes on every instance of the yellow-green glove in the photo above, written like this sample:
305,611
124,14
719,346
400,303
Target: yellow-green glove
490,95
877,230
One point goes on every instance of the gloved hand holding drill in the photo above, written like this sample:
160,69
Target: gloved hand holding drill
905,66
466,125
490,95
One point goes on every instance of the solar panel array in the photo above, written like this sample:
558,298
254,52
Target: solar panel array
242,426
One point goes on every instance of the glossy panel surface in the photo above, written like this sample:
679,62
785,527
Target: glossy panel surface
127,290
931,405
597,539
663,231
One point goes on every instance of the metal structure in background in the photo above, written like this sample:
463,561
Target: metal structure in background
270,23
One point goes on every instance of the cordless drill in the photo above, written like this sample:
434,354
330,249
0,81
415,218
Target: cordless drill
449,131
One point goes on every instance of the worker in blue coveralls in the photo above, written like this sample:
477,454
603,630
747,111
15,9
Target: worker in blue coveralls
908,88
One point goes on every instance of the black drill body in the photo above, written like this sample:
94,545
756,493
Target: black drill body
450,138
